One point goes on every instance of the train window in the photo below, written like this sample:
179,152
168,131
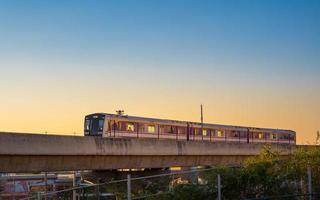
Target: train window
122,126
291,136
151,129
101,122
130,127
235,134
273,136
260,135
87,124
204,132
220,133
183,130
286,136
196,131
167,129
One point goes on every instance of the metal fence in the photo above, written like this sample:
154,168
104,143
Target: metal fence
163,184
150,186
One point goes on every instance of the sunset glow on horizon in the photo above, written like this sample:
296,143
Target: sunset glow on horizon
250,63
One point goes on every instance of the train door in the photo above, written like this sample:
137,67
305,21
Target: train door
188,132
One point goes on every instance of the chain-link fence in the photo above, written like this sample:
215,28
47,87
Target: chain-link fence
132,187
197,183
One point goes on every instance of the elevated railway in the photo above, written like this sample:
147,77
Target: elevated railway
20,152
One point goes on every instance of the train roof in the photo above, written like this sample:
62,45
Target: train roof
206,125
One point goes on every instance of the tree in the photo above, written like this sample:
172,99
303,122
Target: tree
190,192
318,137
267,175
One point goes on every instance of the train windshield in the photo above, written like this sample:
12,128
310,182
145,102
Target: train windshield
93,124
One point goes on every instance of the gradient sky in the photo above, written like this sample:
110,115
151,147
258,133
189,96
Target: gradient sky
253,63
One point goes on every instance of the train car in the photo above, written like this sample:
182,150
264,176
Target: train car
119,125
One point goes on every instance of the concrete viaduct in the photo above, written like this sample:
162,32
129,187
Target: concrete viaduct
40,153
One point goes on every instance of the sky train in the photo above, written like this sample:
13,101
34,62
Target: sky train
119,125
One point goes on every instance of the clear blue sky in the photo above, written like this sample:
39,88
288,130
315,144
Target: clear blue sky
259,34
212,52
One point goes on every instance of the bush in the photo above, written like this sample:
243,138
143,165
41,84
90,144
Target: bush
191,192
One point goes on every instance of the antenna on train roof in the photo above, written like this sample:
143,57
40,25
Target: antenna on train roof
201,114
120,112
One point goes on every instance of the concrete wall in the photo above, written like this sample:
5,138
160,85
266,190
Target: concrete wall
32,152
33,144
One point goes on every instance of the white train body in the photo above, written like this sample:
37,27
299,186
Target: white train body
112,125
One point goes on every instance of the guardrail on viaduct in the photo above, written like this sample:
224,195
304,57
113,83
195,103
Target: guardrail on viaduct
39,153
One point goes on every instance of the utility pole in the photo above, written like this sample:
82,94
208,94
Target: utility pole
74,184
309,183
45,185
219,187
128,186
201,122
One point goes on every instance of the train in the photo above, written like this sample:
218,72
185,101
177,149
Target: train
124,126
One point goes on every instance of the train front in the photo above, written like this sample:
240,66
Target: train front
94,124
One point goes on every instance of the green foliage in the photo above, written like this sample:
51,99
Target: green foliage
266,175
191,192
298,163
186,191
